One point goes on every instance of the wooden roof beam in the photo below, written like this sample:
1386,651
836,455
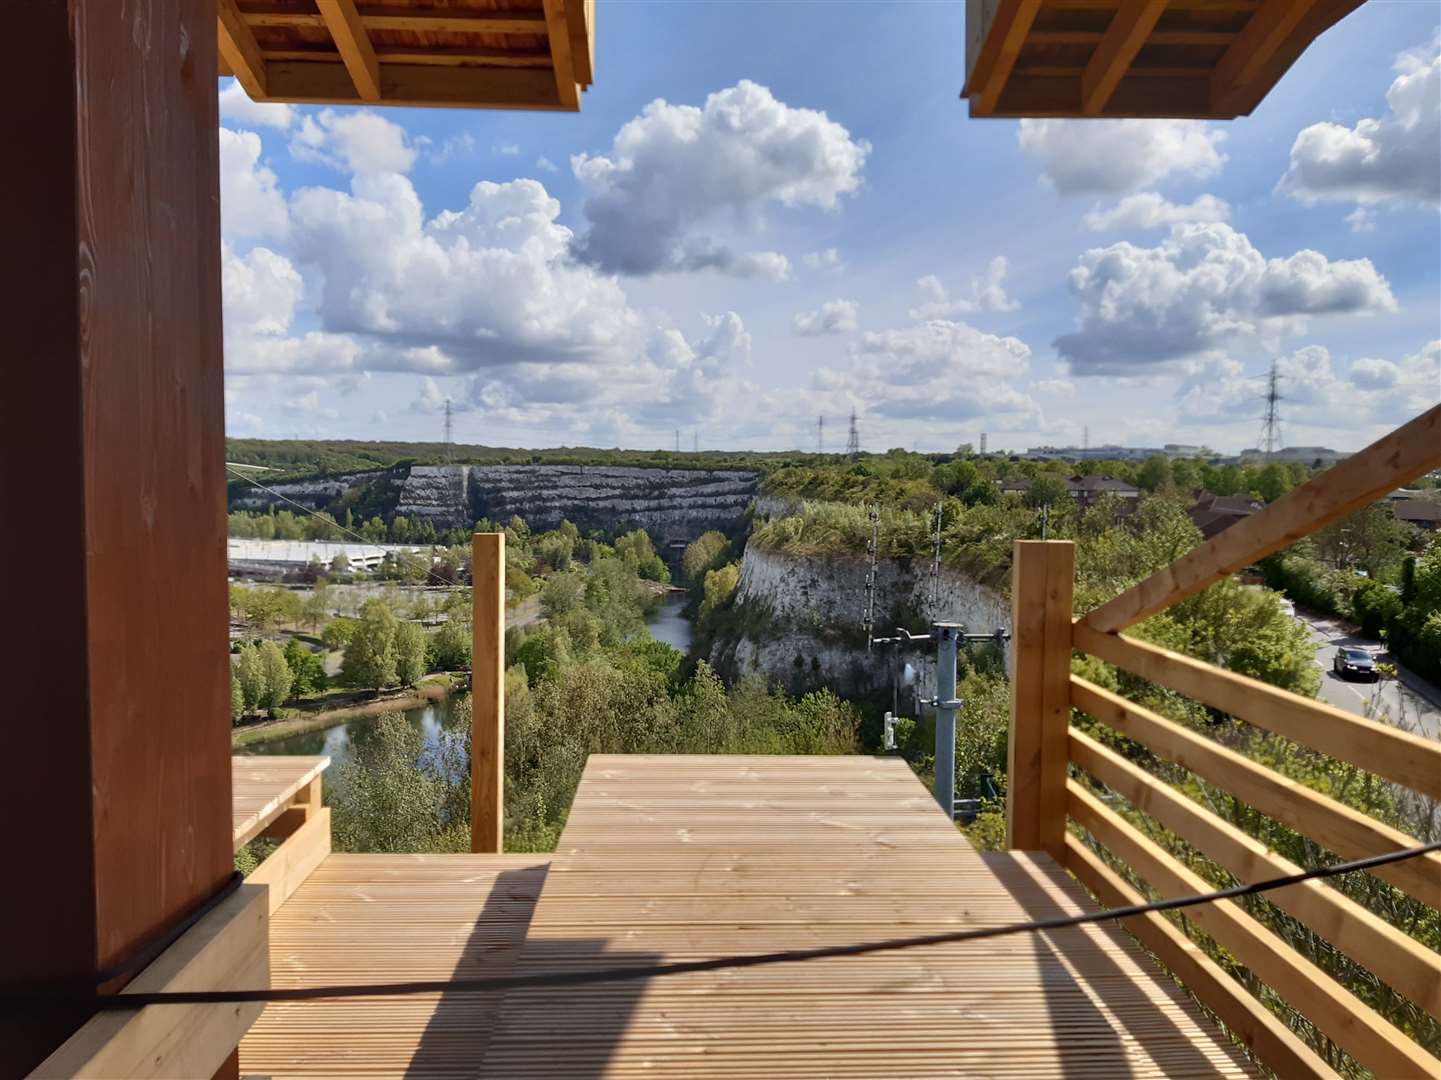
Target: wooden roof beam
353,44
558,28
238,49
1003,42
1132,24
421,22
1247,58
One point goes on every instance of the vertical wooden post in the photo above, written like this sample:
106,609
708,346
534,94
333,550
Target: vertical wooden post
487,693
114,405
1042,573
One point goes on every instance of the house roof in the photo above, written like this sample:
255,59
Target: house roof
1417,511
495,54
1135,58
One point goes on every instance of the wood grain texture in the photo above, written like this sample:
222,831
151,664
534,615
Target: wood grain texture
352,42
1393,460
113,379
1333,825
1400,756
263,786
558,30
487,694
1130,26
1261,38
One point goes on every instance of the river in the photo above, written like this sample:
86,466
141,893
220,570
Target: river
666,624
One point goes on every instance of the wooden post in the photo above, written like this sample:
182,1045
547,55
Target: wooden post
114,407
1042,573
487,694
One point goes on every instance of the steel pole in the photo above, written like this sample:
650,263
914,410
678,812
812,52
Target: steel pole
946,635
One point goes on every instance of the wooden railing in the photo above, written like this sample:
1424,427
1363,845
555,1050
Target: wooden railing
1059,774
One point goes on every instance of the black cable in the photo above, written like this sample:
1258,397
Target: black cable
648,971
142,958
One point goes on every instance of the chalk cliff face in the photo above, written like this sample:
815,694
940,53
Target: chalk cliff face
671,504
812,610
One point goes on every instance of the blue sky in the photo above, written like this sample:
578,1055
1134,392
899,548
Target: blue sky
753,223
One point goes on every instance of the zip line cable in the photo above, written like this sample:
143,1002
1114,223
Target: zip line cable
125,1001
322,517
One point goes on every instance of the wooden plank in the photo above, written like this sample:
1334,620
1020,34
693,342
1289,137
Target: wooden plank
1333,825
437,56
422,85
264,785
119,791
580,15
1322,16
353,44
224,950
1127,32
239,50
420,22
289,865
1040,702
560,54
286,822
1157,37
1256,1026
1396,959
1002,46
1343,1017
487,694
1406,759
1262,36
1406,453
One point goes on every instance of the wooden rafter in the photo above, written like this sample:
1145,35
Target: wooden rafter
422,22
1263,35
238,49
1002,47
1128,31
343,21
559,30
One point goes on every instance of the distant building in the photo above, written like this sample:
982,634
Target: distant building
1084,489
1215,513
1422,513
1111,452
1314,456
274,559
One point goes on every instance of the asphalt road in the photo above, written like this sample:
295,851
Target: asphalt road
1389,699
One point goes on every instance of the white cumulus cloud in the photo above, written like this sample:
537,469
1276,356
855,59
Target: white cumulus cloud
235,104
1148,210
359,142
677,174
1152,309
987,293
833,317
1081,157
251,205
1394,159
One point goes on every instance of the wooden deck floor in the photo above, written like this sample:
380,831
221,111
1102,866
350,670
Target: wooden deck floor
679,858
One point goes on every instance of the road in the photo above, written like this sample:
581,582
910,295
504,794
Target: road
1389,699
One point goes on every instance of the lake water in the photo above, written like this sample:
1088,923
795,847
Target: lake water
337,742
669,625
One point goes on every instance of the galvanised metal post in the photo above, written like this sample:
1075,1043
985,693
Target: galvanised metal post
946,636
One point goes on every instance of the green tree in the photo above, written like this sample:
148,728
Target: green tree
337,633
1154,473
720,586
250,674
370,655
276,676
1046,489
1274,481
450,648
709,551
307,672
237,698
561,593
409,653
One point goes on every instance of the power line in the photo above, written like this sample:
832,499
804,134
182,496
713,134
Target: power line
123,1001
820,434
853,440
1271,425
447,429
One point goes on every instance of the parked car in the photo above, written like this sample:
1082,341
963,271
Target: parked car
1354,663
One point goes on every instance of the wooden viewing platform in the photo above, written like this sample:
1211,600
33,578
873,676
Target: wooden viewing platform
669,859
272,794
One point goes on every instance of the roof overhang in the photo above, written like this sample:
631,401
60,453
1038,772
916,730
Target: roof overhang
1206,59
484,54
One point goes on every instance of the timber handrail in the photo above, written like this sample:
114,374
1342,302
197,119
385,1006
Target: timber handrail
1387,751
1392,461
1115,800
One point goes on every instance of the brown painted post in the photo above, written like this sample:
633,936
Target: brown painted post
487,693
114,426
1042,574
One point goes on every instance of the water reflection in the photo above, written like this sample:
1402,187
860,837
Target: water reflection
669,625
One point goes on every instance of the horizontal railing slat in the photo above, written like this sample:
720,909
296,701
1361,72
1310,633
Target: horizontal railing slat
1343,1017
1248,1020
1335,826
1379,748
1406,453
1404,964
